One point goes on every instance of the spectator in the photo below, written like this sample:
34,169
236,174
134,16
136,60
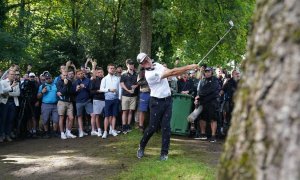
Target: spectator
228,91
47,92
98,101
144,98
119,71
194,82
184,85
129,86
29,90
11,92
83,99
65,105
110,85
207,96
1,113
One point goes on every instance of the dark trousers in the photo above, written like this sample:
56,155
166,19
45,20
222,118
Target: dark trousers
160,112
9,112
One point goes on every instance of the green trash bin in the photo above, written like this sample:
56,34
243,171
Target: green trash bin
181,108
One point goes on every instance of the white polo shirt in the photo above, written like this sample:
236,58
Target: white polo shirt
159,87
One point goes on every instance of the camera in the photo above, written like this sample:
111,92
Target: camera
28,87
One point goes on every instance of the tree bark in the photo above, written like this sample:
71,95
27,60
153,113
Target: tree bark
264,139
146,26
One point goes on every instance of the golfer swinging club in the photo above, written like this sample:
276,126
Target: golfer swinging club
160,101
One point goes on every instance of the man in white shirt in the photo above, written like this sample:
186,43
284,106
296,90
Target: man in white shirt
110,85
160,102
11,92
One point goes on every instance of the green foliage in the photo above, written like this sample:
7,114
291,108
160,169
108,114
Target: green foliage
12,50
47,33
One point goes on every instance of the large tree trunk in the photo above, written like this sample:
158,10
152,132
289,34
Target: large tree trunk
264,140
146,26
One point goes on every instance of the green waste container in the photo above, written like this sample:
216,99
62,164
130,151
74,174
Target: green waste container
181,108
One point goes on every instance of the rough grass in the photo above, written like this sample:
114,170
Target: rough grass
184,161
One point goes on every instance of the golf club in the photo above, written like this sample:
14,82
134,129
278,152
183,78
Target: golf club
231,26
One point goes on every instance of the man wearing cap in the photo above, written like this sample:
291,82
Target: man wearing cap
47,92
29,90
129,86
207,96
160,101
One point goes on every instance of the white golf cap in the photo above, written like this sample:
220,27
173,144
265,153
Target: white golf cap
141,57
31,74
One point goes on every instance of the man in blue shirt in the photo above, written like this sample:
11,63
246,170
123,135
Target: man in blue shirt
47,92
81,87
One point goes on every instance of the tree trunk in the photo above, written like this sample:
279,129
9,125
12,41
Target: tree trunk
146,26
264,139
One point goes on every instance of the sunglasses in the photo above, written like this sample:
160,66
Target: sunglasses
30,76
47,78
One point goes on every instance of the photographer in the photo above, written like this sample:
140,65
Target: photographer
29,102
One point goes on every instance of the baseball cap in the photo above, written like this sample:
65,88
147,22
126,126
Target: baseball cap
47,75
208,69
31,74
141,57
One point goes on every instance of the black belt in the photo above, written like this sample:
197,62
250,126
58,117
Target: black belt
10,98
162,99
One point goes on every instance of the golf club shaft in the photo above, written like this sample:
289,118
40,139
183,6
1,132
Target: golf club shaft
215,45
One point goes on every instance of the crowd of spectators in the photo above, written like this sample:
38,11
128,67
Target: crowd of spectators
84,101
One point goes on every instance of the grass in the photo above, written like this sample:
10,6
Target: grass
184,162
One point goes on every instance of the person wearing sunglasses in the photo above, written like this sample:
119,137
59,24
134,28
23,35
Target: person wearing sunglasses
47,92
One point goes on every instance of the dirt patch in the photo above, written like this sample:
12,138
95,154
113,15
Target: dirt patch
89,157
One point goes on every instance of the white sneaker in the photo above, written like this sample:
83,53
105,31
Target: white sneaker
81,134
84,133
114,133
63,136
99,133
104,136
70,135
110,131
94,133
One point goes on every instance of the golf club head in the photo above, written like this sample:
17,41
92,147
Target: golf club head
231,23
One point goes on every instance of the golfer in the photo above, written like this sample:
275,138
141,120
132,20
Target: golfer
160,101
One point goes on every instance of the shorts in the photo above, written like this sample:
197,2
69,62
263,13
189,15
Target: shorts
47,111
111,108
144,101
228,106
210,111
98,106
128,103
64,107
87,105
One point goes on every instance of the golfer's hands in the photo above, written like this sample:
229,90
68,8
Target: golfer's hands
194,67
